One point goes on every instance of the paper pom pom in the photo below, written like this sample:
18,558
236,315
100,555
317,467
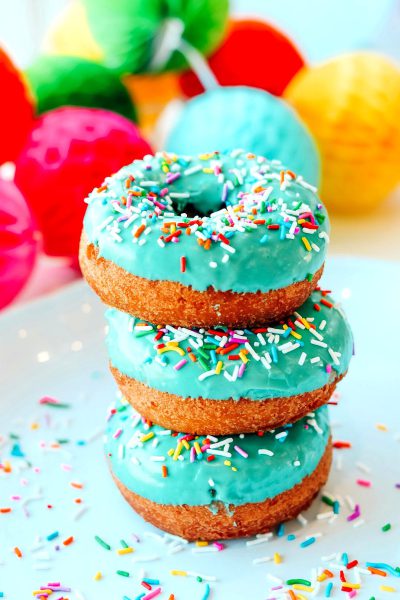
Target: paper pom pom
142,36
352,106
18,242
69,151
16,110
254,54
241,117
72,81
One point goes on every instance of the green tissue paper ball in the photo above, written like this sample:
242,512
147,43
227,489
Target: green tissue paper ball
130,32
72,81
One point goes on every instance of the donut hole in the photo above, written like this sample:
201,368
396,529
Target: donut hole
190,210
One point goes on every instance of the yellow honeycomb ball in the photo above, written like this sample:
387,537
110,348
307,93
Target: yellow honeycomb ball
351,104
70,35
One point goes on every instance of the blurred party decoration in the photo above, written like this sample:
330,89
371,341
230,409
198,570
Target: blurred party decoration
18,242
72,81
144,35
243,117
69,152
70,35
253,53
352,106
151,94
16,110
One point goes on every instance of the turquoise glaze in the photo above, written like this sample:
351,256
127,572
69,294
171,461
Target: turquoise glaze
124,220
297,450
272,370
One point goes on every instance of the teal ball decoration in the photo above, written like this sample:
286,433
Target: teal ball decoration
242,117
58,81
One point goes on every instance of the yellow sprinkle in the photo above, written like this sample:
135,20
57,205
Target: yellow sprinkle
306,243
243,357
305,322
237,208
296,335
322,577
178,450
381,427
180,351
97,576
38,592
197,448
277,558
172,228
234,469
219,366
127,550
300,597
353,586
387,588
200,543
35,426
208,170
303,588
171,451
165,168
227,463
172,343
147,436
186,445
181,573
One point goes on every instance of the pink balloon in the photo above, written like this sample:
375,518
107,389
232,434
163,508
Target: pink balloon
68,153
18,242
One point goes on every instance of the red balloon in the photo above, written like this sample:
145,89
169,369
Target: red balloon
18,241
16,110
254,54
69,152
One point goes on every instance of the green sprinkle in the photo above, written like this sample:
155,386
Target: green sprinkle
386,527
198,578
328,500
63,441
309,276
320,217
300,581
124,544
143,333
123,573
13,436
102,542
203,363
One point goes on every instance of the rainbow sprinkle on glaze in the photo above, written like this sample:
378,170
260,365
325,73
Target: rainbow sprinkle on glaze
297,355
233,469
233,221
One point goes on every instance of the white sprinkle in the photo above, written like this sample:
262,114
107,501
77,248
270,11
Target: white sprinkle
265,451
157,458
325,515
262,559
363,467
213,264
225,258
206,374
203,549
261,339
227,248
80,512
262,539
358,522
318,343
315,359
322,327
334,356
302,520
302,358
204,577
251,350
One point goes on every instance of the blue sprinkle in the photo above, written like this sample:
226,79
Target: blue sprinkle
328,590
137,597
288,331
229,234
282,233
213,357
345,559
81,443
52,536
336,507
274,353
280,530
147,360
307,542
264,238
207,592
151,581
291,537
16,451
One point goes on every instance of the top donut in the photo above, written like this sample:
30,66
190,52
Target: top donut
221,238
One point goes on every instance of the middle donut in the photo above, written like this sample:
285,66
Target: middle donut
220,380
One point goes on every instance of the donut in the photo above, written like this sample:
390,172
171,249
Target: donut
223,381
228,238
214,488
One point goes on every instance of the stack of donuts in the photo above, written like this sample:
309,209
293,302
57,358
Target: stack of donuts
224,347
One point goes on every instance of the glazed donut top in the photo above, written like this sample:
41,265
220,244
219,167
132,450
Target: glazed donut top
170,468
231,221
298,355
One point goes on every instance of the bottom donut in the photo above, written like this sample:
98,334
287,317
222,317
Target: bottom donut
207,488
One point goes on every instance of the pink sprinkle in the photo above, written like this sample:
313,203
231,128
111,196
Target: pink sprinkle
240,451
219,546
163,192
15,497
192,454
66,467
241,370
48,400
328,368
152,594
117,434
180,364
36,469
159,205
354,515
364,482
352,594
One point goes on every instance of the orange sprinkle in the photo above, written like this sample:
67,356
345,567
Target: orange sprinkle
18,552
76,484
102,188
375,571
282,177
139,230
78,500
188,231
292,595
291,174
164,471
192,357
207,244
5,510
68,541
